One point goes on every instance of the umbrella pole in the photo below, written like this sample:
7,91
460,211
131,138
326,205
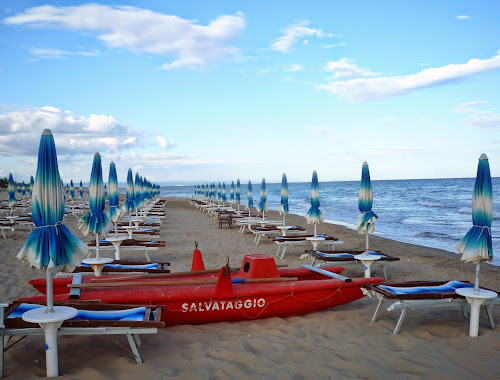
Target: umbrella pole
97,246
315,233
50,293
367,243
284,216
116,229
476,280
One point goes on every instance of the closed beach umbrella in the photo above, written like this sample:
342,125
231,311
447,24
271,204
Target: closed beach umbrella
32,182
366,220
249,198
23,189
231,193
237,193
137,192
11,190
95,222
262,205
129,204
114,212
284,197
71,190
81,190
51,246
476,245
223,193
314,214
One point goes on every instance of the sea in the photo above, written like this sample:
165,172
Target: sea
430,212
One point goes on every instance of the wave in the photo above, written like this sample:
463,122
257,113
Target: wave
425,203
435,235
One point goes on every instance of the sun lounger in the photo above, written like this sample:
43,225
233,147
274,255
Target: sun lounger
94,318
272,230
284,241
420,294
129,244
348,257
127,266
146,233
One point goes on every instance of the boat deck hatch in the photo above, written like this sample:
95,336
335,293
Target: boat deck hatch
258,266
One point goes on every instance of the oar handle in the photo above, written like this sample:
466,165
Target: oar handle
171,283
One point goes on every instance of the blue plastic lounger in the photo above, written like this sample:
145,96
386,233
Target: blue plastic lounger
418,294
348,257
93,318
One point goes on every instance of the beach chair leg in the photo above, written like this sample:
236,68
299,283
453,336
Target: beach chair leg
384,271
490,316
147,256
3,234
135,348
278,251
377,310
400,321
283,252
464,312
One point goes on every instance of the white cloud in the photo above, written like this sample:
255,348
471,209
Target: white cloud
143,31
462,17
470,106
294,33
293,68
39,53
374,89
346,68
340,44
74,134
484,120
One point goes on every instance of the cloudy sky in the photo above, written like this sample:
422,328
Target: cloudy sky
219,90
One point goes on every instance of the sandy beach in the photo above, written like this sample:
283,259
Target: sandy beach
338,343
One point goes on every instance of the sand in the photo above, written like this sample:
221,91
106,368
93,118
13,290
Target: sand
338,343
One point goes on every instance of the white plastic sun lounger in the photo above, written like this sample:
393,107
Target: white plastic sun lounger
284,242
94,318
418,294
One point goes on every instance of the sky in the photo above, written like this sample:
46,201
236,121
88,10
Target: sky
220,90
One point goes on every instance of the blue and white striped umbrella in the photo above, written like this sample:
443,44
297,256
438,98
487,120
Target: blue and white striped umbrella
129,204
249,198
67,189
11,190
51,245
284,197
219,191
314,214
81,190
238,191
32,182
223,193
262,205
137,191
231,193
366,220
23,189
476,245
95,222
114,212
72,190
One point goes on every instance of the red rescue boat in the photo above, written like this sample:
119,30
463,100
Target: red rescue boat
258,290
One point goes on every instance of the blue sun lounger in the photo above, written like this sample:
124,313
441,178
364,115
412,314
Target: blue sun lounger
419,294
93,318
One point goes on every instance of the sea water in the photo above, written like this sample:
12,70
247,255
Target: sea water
430,212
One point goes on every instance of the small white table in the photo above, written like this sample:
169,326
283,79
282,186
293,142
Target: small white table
367,260
283,229
136,222
130,230
50,323
97,264
12,220
475,300
117,240
314,240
